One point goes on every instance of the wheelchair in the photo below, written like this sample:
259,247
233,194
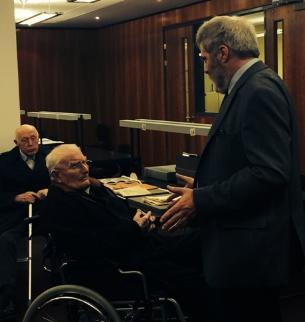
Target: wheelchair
70,302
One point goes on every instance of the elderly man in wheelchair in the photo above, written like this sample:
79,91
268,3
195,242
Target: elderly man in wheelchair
95,228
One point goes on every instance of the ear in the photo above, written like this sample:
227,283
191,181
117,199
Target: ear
55,177
224,53
15,141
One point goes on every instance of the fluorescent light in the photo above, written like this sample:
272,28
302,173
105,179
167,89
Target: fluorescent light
23,14
83,1
43,16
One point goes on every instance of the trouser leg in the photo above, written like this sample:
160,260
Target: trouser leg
240,305
8,256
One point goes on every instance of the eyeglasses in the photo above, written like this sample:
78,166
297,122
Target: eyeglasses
28,140
73,165
79,164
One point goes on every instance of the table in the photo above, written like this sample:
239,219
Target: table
138,203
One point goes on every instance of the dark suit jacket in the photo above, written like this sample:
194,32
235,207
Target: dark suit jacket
100,225
15,178
85,225
247,191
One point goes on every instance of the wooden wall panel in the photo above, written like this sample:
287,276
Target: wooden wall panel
131,71
293,61
297,75
135,49
57,73
112,73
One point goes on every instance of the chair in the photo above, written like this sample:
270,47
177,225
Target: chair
71,302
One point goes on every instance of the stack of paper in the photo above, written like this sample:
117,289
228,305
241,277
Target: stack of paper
132,192
124,179
127,186
158,200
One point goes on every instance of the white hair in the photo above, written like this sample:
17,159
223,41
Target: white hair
235,32
58,154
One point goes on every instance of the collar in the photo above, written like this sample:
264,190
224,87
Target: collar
240,72
25,157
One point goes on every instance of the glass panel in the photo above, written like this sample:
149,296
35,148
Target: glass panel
279,47
186,80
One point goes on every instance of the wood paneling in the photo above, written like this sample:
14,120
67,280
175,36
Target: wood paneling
293,60
113,73
57,73
132,68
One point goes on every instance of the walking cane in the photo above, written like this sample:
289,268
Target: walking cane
30,254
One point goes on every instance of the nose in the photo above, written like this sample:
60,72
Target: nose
84,166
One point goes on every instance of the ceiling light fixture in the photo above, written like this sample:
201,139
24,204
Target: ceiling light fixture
83,1
37,17
43,16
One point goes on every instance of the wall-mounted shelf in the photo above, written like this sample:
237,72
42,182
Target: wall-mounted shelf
78,118
168,126
59,115
138,125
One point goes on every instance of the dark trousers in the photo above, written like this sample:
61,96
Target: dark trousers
9,241
242,305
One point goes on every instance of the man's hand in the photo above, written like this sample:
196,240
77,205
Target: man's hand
27,197
181,211
145,220
42,193
189,181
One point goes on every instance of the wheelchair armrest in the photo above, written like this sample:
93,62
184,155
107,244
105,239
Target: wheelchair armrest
142,277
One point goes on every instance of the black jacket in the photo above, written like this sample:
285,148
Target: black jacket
247,191
15,178
100,224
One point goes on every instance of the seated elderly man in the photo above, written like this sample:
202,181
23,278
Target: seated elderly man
89,221
23,179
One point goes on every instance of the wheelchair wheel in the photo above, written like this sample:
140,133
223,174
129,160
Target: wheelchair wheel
70,303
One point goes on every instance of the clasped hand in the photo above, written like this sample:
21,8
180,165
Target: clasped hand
31,196
146,221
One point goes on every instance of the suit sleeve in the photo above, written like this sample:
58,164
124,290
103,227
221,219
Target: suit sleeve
266,142
6,197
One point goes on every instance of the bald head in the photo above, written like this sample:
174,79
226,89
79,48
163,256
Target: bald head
27,139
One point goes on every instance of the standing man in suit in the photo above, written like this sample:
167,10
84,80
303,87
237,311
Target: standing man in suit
246,194
24,179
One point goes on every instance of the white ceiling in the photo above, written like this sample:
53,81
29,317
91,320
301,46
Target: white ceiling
82,15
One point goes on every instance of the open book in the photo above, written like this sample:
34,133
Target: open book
132,191
127,187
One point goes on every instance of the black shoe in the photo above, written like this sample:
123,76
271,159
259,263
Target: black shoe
8,312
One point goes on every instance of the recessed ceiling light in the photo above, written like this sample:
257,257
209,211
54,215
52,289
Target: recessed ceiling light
97,18
83,1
